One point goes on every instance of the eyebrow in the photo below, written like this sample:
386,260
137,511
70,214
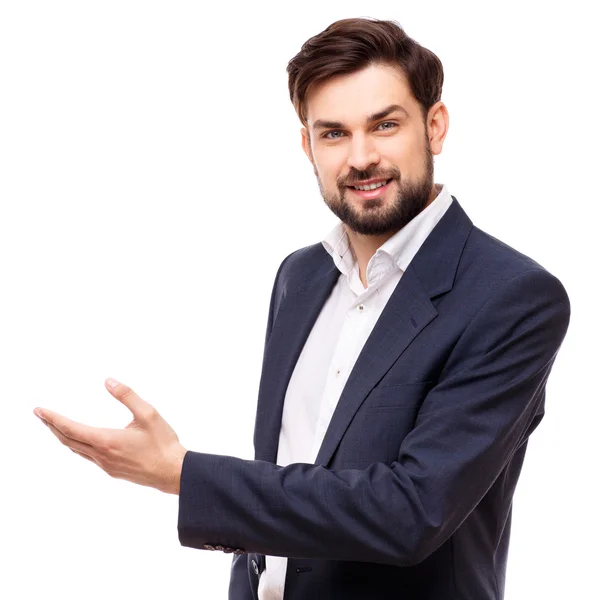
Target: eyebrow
324,124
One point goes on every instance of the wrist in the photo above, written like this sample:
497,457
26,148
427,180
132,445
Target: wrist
173,479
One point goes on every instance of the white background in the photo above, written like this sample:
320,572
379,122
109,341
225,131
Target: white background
152,180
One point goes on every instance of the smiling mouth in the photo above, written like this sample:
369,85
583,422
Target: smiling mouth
370,186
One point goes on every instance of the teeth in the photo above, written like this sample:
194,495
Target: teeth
372,186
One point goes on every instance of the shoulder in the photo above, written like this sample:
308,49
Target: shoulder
296,271
303,266
489,265
503,301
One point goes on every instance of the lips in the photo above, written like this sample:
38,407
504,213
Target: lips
375,188
370,184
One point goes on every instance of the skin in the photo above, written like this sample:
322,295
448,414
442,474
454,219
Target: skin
395,143
147,451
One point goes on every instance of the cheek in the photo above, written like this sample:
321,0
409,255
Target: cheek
329,164
407,155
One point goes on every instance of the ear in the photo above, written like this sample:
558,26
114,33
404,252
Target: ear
306,144
438,122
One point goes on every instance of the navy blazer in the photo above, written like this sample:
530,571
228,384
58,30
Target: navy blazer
410,495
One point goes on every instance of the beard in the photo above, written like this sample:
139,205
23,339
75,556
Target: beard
374,217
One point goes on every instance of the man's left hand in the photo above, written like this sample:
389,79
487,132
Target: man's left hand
146,452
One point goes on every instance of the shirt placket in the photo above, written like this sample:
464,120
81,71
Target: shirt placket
344,356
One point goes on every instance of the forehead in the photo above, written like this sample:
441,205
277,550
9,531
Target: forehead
351,98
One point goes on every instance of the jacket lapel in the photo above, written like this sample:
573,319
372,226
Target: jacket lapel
407,312
296,316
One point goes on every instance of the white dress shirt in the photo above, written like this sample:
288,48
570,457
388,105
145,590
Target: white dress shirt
333,345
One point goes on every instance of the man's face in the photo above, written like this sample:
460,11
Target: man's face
367,129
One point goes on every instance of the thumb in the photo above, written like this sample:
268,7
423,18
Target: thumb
140,408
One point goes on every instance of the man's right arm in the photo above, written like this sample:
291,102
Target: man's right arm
491,392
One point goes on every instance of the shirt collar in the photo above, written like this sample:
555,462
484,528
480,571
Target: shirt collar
400,248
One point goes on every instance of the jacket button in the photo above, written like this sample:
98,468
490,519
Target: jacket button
254,566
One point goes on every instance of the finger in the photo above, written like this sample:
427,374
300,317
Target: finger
76,431
71,443
141,410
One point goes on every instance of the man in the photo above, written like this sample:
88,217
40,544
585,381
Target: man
405,365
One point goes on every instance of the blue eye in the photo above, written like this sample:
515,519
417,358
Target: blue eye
389,123
330,135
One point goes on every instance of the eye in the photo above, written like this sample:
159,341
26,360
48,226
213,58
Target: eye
333,135
386,126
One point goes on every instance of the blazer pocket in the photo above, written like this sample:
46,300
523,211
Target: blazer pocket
398,395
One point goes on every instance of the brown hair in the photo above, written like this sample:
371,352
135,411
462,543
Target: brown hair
350,45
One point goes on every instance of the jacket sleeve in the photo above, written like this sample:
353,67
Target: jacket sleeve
490,391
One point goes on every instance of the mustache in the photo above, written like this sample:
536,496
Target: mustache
354,176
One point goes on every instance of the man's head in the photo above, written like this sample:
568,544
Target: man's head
369,99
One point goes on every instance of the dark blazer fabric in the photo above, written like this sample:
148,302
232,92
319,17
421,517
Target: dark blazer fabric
410,495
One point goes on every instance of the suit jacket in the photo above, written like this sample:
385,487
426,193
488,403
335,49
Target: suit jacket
410,495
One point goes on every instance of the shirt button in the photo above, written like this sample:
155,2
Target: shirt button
337,372
360,308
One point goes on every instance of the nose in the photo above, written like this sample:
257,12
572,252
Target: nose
362,153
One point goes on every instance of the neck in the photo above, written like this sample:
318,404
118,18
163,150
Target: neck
365,246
